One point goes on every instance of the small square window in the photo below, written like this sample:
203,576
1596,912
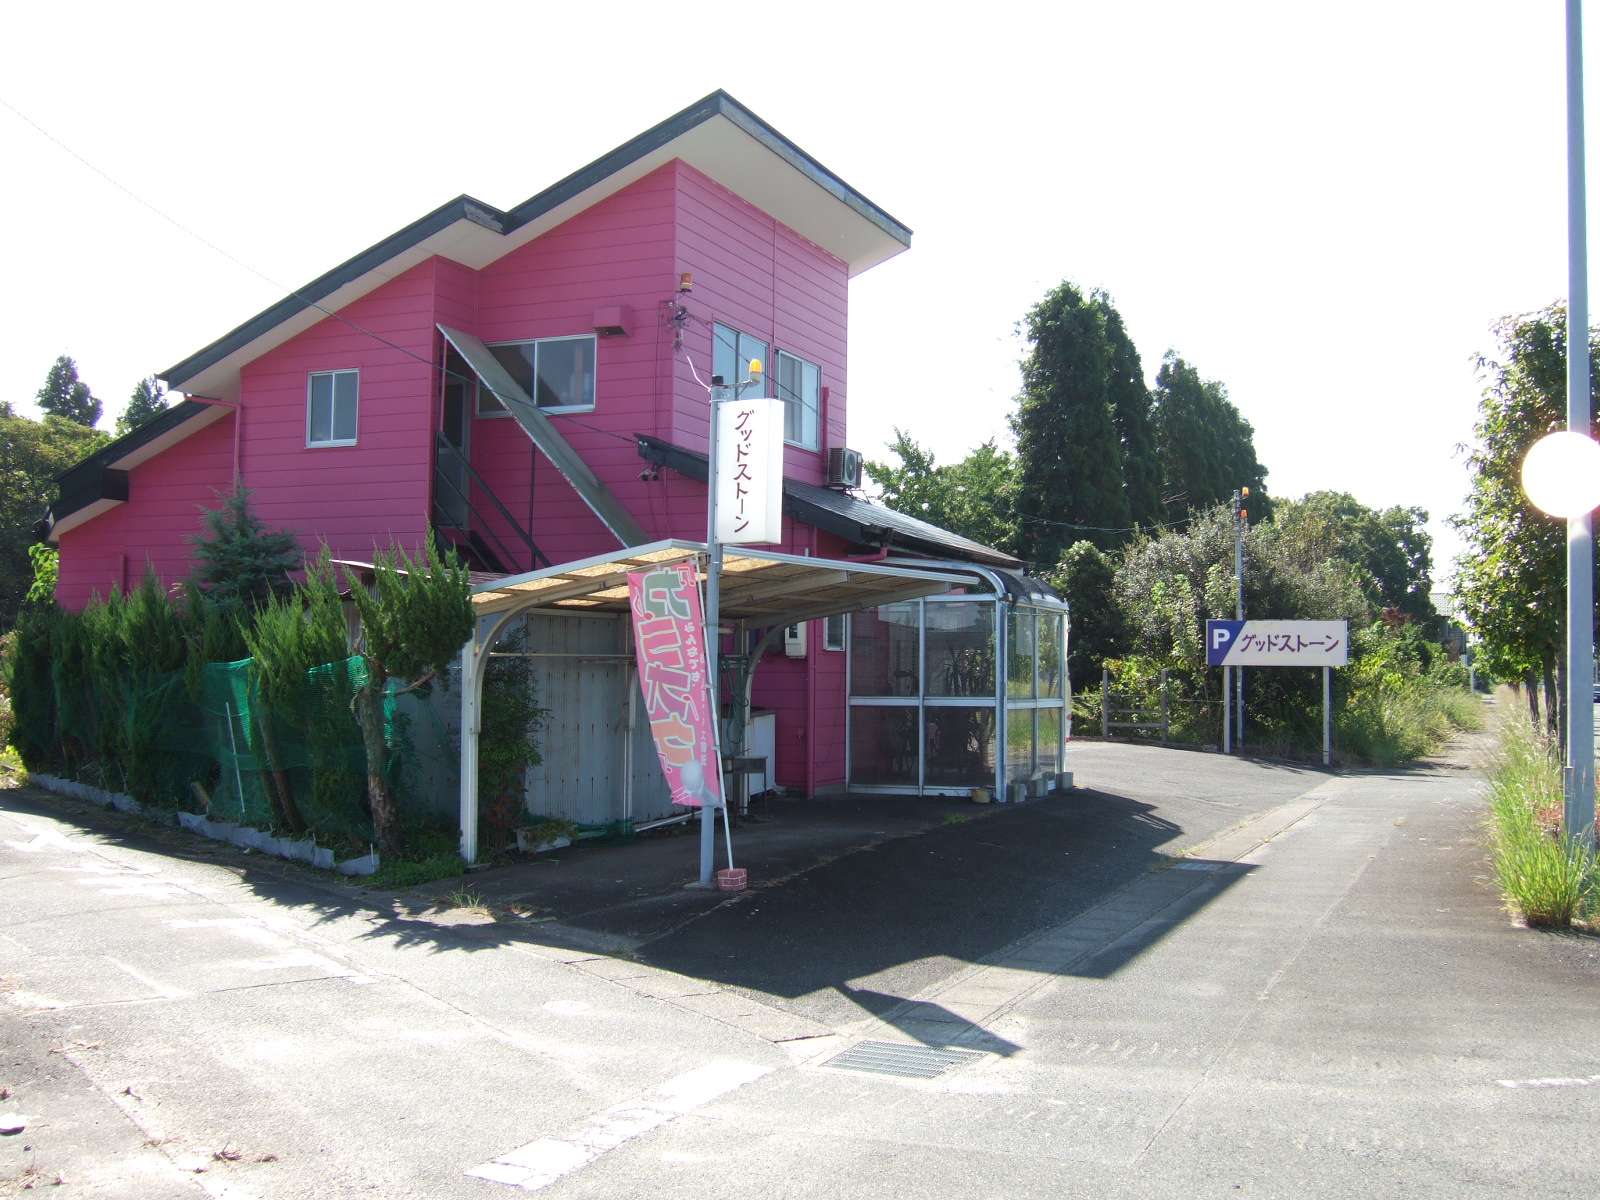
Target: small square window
331,408
799,386
557,373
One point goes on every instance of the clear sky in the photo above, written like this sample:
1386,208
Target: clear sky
1323,206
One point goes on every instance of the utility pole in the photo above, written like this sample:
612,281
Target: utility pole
1241,517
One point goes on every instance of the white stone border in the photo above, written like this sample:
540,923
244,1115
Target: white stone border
244,836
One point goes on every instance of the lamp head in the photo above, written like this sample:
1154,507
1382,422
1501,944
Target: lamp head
1561,474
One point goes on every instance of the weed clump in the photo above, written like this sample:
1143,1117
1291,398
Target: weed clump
1547,877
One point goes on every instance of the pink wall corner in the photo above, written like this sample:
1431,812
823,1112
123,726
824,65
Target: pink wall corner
165,495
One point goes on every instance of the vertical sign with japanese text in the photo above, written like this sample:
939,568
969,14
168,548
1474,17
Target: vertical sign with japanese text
670,649
749,474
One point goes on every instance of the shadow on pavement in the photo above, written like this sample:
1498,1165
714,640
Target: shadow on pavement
856,902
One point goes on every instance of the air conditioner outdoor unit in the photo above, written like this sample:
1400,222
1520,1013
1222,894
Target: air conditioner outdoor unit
844,467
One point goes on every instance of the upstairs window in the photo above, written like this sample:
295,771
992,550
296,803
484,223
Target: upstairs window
731,355
331,408
799,385
558,373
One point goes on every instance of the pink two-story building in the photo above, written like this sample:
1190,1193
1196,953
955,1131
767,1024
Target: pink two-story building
370,408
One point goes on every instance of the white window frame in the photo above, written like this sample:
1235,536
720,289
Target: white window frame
828,641
816,410
483,391
311,377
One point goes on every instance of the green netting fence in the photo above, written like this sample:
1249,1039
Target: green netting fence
261,764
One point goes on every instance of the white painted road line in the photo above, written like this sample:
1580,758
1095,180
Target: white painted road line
541,1163
1549,1083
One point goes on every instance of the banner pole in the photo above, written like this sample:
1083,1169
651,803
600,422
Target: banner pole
708,820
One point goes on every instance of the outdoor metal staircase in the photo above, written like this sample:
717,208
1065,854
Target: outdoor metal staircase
475,537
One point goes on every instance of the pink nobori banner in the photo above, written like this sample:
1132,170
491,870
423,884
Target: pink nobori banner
667,624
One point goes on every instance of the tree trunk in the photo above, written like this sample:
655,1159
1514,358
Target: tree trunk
1533,700
1560,705
288,810
1549,699
369,711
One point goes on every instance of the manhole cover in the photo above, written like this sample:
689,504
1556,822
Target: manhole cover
895,1058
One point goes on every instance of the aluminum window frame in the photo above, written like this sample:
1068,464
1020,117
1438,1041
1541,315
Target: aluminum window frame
333,407
735,390
815,409
482,389
1008,710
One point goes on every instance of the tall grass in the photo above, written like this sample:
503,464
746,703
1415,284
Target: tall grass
1546,877
1393,720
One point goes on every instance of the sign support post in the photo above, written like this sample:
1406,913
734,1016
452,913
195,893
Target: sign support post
1227,710
1327,721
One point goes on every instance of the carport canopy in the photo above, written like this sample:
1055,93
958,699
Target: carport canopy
759,589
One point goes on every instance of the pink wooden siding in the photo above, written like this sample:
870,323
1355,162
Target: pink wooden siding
764,279
375,493
162,512
619,252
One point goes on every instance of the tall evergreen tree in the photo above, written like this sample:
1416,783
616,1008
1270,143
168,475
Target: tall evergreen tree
1069,451
1207,448
149,399
65,395
1132,413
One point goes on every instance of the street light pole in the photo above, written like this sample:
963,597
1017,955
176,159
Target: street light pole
1579,808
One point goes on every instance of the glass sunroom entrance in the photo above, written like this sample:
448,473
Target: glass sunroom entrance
938,686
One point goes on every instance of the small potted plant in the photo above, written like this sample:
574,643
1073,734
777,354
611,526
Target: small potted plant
549,833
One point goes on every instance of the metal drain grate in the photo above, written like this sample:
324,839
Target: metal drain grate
895,1058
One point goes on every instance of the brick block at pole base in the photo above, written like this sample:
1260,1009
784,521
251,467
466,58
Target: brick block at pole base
732,879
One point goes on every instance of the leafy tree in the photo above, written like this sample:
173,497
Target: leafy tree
1391,549
1511,580
1085,577
238,561
414,622
1167,587
32,454
973,497
66,396
1207,448
1069,448
149,400
46,561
